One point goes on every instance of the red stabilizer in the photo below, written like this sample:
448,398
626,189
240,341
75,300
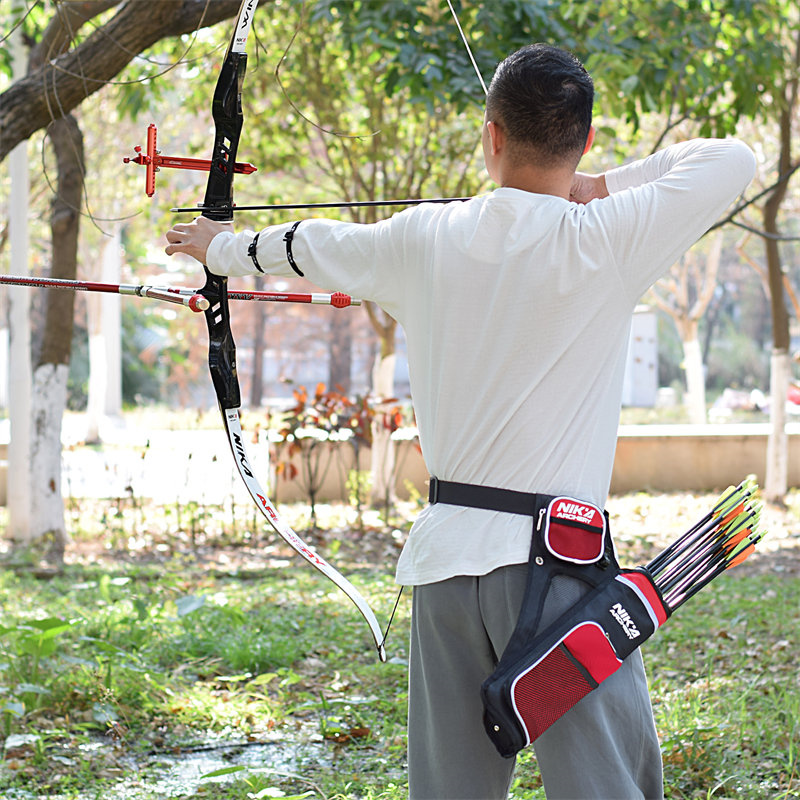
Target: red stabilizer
198,303
340,300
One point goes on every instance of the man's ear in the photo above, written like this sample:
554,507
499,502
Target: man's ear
589,140
496,136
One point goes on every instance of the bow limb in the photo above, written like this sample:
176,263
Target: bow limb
218,205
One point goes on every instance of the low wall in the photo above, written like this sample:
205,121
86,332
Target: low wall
337,461
696,457
648,457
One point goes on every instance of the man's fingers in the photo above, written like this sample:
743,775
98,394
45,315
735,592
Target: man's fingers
174,235
179,242
193,238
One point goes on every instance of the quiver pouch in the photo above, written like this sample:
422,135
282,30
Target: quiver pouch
581,616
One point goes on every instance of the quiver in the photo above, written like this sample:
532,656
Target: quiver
581,616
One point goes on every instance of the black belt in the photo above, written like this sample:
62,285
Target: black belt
485,497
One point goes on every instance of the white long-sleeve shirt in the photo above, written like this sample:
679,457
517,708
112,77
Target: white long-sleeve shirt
516,309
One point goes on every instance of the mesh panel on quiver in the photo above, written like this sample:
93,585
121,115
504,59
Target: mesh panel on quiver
547,690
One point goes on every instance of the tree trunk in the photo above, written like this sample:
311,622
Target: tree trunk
340,364
383,451
695,400
257,382
685,293
104,312
52,366
383,455
19,335
777,467
778,443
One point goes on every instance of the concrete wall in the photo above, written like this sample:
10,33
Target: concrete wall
675,457
649,457
658,458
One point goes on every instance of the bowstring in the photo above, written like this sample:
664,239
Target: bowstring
335,133
466,44
391,617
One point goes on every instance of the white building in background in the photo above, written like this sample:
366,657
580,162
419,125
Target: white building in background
640,385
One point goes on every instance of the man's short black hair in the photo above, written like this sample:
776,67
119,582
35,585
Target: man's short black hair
541,96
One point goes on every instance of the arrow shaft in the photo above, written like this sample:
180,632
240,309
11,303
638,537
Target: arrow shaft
343,204
336,299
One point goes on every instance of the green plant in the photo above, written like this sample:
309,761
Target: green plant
25,649
305,427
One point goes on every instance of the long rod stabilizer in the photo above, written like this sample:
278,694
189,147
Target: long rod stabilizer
181,295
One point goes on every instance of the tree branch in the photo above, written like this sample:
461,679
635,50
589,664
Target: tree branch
58,85
781,179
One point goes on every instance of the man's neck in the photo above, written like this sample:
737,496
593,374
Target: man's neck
557,182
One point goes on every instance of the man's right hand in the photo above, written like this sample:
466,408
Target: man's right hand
586,188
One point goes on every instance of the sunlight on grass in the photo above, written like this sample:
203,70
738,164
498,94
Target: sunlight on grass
119,661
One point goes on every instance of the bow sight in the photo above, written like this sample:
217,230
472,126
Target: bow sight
153,161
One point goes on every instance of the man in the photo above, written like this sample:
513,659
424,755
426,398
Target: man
516,307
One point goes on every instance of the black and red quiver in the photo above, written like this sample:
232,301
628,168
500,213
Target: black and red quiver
582,615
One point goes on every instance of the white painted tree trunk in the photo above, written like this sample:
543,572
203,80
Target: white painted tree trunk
19,411
105,346
777,468
383,455
695,400
4,345
47,410
19,361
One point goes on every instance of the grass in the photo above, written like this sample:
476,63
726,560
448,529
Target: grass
260,673
723,681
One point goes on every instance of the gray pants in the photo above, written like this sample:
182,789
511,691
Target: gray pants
604,748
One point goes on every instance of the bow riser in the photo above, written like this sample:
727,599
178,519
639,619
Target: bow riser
227,114
226,111
221,346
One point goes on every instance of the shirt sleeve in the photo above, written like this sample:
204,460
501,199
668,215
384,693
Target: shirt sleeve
377,261
659,206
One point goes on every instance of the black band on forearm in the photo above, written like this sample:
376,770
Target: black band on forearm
251,251
288,239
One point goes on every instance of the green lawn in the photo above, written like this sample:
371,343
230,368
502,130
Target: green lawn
131,675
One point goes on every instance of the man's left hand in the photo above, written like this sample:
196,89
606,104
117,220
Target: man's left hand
193,238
